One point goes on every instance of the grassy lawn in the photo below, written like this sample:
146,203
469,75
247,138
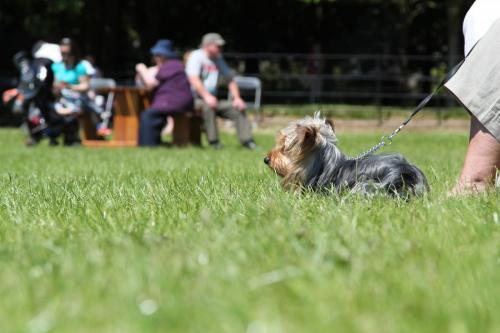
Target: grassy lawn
202,241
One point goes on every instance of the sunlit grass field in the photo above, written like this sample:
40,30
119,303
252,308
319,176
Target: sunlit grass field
194,240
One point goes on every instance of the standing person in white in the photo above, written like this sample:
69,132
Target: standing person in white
477,86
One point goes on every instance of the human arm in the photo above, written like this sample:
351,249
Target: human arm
238,102
152,71
58,86
146,76
193,71
83,84
83,76
198,87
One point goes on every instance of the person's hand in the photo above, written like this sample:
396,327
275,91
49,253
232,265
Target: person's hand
58,86
141,68
64,111
61,85
239,104
211,101
9,95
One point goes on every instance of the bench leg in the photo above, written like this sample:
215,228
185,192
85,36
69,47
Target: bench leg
181,131
195,130
187,130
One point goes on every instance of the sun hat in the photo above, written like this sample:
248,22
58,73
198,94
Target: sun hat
164,47
212,38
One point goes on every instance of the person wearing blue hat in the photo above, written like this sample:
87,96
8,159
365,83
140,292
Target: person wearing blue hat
171,91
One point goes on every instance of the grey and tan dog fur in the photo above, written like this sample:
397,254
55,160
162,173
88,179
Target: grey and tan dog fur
307,157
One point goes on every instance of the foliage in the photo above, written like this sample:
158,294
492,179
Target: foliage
119,33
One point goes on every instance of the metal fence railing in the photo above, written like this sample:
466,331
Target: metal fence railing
396,80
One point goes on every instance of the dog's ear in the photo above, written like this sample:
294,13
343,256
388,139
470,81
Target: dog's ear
281,139
330,123
307,136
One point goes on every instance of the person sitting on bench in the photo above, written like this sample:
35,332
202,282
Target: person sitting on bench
203,68
71,86
171,92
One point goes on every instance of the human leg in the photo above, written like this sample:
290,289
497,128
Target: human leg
243,126
481,161
210,123
71,131
151,124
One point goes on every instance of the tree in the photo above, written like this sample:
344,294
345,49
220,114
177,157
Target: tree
409,10
119,32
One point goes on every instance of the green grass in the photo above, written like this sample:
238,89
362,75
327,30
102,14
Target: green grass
202,241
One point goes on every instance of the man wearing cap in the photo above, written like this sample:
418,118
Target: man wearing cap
171,92
203,68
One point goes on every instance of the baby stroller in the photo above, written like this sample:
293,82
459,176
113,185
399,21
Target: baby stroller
35,99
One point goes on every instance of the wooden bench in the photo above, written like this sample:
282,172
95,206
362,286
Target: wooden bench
187,129
128,105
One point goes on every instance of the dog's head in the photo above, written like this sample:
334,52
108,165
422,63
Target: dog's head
297,146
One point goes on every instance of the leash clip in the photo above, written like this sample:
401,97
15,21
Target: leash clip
385,141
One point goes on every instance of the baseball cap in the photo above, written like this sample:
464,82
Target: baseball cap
212,38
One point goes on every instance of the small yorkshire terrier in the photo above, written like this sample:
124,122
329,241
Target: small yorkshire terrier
307,157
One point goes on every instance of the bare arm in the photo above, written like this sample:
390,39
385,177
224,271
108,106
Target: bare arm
83,85
238,102
146,76
198,86
235,91
200,89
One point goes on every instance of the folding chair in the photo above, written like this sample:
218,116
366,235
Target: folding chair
246,83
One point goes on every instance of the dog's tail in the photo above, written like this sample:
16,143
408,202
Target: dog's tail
414,180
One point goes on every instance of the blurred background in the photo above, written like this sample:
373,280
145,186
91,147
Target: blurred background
360,52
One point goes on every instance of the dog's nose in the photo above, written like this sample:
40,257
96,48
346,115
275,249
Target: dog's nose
267,160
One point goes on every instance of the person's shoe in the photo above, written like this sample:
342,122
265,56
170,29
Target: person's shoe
216,145
104,131
30,142
250,145
75,144
53,142
72,142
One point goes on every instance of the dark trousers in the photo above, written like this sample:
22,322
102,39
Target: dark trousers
225,110
56,124
152,123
